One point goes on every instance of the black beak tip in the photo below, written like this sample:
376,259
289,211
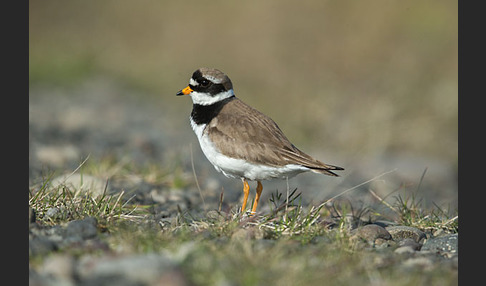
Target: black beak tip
179,93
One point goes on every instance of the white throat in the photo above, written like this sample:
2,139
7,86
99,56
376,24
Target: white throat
206,99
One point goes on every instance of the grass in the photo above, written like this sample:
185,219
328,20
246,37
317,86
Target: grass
66,204
293,244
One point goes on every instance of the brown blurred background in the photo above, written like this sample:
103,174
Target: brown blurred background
368,85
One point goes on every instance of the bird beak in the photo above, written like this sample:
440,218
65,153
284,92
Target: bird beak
185,91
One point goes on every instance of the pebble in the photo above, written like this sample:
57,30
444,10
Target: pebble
407,245
372,233
46,239
52,212
41,246
442,244
401,232
409,242
82,229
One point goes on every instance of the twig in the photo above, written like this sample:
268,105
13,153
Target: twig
221,196
80,165
382,200
421,179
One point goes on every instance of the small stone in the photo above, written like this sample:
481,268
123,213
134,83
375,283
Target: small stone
52,212
409,242
371,233
442,244
84,229
402,232
41,246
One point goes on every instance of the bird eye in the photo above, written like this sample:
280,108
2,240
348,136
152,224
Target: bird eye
205,82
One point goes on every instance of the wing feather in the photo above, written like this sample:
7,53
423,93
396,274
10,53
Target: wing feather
243,132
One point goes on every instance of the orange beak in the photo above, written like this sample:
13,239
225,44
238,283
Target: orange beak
185,91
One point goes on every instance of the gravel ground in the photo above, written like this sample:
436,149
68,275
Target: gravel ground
101,119
400,247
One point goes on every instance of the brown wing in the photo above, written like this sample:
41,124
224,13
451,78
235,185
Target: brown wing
243,132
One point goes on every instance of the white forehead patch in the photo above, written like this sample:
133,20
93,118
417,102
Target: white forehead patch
193,82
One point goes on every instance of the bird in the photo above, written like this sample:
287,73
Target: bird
240,141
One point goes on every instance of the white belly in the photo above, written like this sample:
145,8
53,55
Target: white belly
238,168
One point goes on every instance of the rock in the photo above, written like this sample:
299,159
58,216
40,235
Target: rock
401,232
411,243
78,233
371,233
83,229
41,246
442,244
52,212
52,233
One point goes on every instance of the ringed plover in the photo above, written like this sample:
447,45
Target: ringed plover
240,141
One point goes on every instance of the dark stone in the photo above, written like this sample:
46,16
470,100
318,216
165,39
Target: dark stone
446,243
41,246
84,229
409,242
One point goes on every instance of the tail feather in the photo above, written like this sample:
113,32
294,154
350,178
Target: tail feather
298,157
326,170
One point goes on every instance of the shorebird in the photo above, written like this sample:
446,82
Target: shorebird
240,141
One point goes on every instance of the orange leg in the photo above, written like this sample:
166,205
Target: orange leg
259,190
246,191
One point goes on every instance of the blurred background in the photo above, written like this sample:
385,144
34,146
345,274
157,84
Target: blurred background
371,86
